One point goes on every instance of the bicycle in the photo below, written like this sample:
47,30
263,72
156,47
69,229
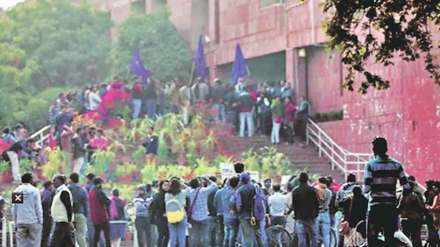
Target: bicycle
278,236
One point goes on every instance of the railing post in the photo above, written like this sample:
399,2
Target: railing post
11,234
345,165
358,167
4,235
135,239
307,132
319,144
333,156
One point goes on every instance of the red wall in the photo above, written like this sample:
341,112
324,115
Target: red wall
408,114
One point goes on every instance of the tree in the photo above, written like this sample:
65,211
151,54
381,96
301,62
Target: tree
162,48
48,47
69,44
380,30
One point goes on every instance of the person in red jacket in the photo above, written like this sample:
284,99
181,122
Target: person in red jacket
99,205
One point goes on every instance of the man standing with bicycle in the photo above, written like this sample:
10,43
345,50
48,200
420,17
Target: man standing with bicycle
381,175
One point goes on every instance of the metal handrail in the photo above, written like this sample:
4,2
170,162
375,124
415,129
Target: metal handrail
322,140
41,135
345,161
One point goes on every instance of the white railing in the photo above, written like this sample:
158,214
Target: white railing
41,136
7,233
345,161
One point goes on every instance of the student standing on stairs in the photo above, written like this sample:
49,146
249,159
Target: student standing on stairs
277,118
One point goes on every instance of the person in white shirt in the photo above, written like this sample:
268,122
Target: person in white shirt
94,100
27,213
278,206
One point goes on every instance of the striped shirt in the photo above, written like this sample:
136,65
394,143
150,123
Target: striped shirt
381,177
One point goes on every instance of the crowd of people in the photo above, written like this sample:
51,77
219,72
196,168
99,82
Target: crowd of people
269,108
204,212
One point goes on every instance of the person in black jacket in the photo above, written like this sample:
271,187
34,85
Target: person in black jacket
157,213
411,211
355,211
305,204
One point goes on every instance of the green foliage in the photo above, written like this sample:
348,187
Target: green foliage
68,43
58,162
162,48
26,165
378,31
267,161
46,47
4,167
138,156
102,160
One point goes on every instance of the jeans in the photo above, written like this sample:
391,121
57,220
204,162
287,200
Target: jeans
151,105
382,218
178,233
246,120
105,227
215,226
412,229
199,233
143,228
15,165
275,136
80,229
220,112
78,164
231,232
253,235
137,106
28,235
303,228
324,228
62,235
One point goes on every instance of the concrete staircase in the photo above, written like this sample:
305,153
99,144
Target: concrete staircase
302,157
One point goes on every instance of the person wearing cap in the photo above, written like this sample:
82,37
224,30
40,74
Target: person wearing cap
28,213
381,176
99,205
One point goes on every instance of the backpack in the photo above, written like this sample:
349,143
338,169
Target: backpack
258,207
346,192
174,209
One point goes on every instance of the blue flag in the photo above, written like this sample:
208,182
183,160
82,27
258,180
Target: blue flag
137,66
239,69
199,60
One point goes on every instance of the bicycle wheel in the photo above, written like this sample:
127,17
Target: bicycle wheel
277,236
333,237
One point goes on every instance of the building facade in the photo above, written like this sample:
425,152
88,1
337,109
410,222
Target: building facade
285,40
